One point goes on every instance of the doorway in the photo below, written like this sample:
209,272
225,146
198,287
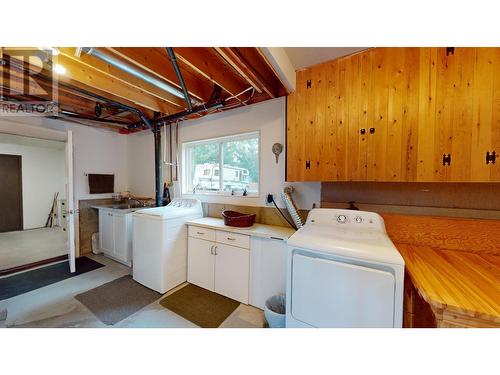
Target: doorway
11,193
33,190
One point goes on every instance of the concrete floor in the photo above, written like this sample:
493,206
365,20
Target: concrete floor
54,306
28,246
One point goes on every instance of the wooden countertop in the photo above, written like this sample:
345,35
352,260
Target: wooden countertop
456,282
257,230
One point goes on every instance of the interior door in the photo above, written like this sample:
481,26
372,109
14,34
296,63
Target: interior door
331,294
70,214
11,214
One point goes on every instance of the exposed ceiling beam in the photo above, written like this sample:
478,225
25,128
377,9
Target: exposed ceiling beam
155,61
207,64
257,64
16,81
80,74
243,67
279,61
119,75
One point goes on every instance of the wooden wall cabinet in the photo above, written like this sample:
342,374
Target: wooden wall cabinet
396,114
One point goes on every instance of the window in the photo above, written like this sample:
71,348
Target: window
228,165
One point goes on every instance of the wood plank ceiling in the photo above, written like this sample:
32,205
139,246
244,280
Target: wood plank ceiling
140,77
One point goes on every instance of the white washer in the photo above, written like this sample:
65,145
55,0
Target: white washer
159,244
343,271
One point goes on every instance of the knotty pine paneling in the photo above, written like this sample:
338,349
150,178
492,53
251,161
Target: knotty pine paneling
422,103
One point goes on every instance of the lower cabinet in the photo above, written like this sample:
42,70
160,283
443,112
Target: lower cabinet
231,272
219,267
201,263
267,269
246,268
115,235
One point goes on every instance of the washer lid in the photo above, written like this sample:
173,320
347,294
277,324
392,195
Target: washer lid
366,244
177,208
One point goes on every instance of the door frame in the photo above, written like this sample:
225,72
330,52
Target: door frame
26,130
19,159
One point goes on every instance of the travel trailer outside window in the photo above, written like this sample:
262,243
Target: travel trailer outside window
227,165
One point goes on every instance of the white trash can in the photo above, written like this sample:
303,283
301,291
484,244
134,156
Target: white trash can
95,243
274,311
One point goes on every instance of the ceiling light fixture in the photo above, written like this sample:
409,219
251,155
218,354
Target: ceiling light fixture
59,69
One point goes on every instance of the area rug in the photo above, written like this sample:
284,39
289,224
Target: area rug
202,307
118,299
24,282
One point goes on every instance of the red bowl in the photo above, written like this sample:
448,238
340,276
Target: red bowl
237,219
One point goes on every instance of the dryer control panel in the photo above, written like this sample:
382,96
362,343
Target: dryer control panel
346,218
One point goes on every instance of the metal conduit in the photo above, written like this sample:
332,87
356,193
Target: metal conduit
185,92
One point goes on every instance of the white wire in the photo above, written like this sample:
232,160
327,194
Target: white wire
241,93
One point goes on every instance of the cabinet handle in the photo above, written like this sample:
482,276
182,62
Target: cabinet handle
215,249
446,159
200,232
372,130
231,239
491,157
212,249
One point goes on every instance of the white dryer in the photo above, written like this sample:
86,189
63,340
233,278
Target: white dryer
159,243
343,271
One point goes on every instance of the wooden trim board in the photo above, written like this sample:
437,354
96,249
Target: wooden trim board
465,213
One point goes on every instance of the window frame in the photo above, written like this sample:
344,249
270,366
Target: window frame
186,163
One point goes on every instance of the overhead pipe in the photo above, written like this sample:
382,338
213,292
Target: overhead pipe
139,74
171,55
90,118
160,121
158,171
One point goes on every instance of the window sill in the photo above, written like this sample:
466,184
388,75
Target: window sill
221,195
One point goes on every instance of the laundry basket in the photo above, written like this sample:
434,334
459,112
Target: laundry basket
274,311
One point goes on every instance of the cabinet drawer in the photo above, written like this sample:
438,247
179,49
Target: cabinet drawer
203,233
234,239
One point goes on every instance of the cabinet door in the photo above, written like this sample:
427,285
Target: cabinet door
106,232
454,93
120,236
486,115
232,272
267,269
201,263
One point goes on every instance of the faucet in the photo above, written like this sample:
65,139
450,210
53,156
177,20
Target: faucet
142,203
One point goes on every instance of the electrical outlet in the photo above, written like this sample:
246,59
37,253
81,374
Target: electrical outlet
269,199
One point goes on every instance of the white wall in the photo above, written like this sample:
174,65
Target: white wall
94,150
269,119
141,162
43,174
131,157
98,151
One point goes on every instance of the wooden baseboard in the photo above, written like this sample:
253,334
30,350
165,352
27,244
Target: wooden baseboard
24,267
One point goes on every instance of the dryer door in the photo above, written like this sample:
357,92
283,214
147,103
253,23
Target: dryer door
328,293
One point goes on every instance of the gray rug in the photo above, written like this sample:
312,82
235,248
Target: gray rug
114,301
